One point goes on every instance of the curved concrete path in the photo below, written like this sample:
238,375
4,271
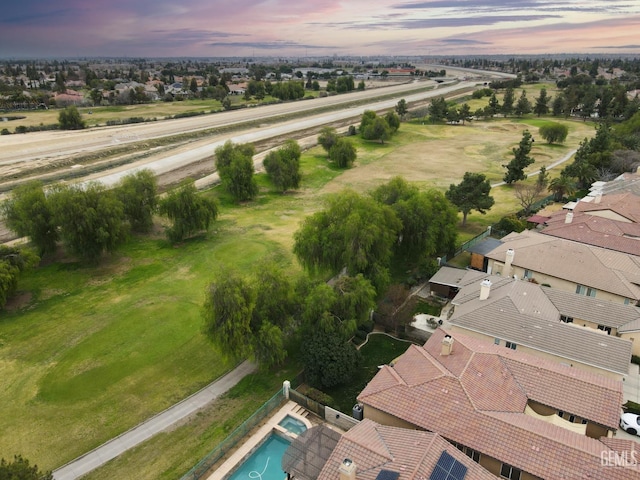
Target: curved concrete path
120,444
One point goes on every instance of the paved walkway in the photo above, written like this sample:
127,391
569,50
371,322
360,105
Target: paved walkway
116,446
631,385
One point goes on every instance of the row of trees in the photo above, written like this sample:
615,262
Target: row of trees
91,220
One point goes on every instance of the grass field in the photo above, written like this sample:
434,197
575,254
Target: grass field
92,352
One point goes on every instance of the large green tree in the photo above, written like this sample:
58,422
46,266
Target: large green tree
70,119
91,219
235,167
138,194
523,106
343,153
28,213
401,108
227,311
13,261
554,132
393,120
542,103
471,194
189,212
328,138
507,102
373,127
329,359
428,219
283,166
352,232
521,159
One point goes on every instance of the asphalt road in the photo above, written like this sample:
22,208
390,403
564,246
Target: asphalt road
110,450
56,144
169,162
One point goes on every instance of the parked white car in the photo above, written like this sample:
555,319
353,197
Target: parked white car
630,423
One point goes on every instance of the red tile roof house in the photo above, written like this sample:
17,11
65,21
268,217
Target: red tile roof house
504,405
608,221
376,451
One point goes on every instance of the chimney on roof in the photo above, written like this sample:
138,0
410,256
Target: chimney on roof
569,217
598,198
485,289
508,260
447,345
347,470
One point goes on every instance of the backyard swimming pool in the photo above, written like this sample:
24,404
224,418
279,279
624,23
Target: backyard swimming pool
265,462
293,425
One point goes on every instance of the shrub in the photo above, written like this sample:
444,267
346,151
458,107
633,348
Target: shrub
631,407
318,396
5,131
635,359
21,129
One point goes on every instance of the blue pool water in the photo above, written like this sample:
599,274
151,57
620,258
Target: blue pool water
265,462
293,425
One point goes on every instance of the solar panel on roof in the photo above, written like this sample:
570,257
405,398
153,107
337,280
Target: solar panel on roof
448,468
387,475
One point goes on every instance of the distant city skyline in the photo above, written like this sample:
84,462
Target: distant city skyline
247,28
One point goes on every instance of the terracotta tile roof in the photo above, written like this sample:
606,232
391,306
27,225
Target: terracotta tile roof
491,420
412,454
606,270
598,403
601,232
490,386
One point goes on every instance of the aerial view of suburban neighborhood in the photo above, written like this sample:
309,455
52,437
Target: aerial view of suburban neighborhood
392,240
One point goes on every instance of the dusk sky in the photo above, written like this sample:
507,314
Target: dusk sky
209,28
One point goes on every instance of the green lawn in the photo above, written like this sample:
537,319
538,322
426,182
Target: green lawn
94,351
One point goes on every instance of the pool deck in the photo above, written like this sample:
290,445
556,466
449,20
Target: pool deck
290,408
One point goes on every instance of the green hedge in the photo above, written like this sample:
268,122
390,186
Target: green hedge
631,407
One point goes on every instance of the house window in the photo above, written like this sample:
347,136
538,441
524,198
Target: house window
472,454
469,452
512,473
496,341
560,413
588,291
566,319
627,301
605,329
584,421
528,274
572,418
511,345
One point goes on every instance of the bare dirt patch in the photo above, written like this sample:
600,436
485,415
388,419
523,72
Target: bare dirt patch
18,301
